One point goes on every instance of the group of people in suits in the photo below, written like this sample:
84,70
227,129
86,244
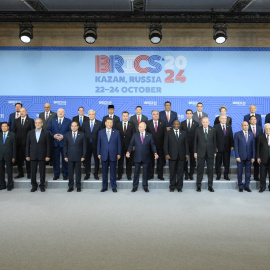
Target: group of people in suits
137,140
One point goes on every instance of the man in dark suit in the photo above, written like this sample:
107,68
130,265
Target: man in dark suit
81,118
58,127
263,156
21,126
267,119
190,126
109,151
137,118
38,152
126,129
176,151
75,147
143,143
244,147
91,129
168,116
157,128
7,156
256,130
46,118
205,150
111,115
225,144
14,115
253,110
223,111
199,114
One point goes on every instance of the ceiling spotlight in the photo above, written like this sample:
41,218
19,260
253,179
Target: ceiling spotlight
90,33
220,33
26,32
155,34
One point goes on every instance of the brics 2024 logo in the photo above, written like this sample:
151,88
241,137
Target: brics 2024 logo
143,64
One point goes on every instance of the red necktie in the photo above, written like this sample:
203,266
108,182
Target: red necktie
17,115
139,120
254,132
156,126
168,116
125,128
200,118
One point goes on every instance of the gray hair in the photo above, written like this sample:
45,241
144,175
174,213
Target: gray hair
91,111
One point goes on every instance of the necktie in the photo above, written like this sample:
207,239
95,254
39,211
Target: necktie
74,137
205,134
142,137
22,122
111,117
108,135
60,123
17,115
200,117
46,118
80,121
4,139
254,132
168,116
125,128
176,134
139,119
91,126
246,137
224,130
189,125
155,126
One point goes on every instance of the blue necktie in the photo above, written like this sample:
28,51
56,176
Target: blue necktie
80,121
74,137
4,139
60,123
91,126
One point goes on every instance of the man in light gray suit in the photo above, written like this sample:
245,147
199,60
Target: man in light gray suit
137,118
199,115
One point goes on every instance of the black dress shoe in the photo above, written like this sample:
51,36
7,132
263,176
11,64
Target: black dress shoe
33,189
240,189
103,189
150,177
55,177
70,189
96,177
261,190
191,177
119,177
248,189
42,189
129,178
134,190
2,188
218,178
65,178
161,178
186,177
19,176
146,189
211,189
226,177
198,189
179,189
171,189
114,190
256,178
86,177
9,188
79,189
28,176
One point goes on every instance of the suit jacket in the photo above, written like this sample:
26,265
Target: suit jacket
267,118
8,150
201,146
134,120
11,120
229,121
46,123
258,117
196,118
224,143
142,151
173,117
75,151
126,138
38,150
55,129
158,136
246,151
116,120
259,131
94,134
21,131
262,148
176,148
110,148
77,119
190,133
